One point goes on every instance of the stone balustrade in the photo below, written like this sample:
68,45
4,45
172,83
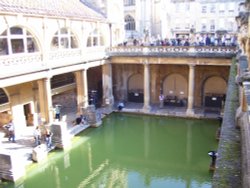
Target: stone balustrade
20,64
184,51
25,63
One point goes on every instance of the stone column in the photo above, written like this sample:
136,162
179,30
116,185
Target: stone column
191,79
146,106
45,100
85,88
108,98
79,91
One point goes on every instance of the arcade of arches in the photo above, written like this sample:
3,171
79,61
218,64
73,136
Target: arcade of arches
128,82
173,82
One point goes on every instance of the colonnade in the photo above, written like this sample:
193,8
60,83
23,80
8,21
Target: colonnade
45,97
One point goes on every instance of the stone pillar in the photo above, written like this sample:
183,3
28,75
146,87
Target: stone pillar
191,79
79,91
108,98
45,100
85,88
146,106
82,90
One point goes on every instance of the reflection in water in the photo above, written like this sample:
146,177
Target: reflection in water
90,157
66,161
93,174
134,152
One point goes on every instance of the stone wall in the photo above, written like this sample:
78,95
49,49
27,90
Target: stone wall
228,163
243,118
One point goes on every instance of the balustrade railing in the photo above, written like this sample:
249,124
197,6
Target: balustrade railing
164,50
20,63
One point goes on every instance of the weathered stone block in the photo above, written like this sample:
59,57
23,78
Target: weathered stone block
10,166
61,137
39,153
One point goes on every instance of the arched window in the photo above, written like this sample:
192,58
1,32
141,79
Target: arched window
64,39
129,23
95,39
17,40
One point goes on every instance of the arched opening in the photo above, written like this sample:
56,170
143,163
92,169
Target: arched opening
175,90
214,92
16,40
135,88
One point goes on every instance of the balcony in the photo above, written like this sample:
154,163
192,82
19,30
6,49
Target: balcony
173,51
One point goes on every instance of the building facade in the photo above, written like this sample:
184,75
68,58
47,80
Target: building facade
174,18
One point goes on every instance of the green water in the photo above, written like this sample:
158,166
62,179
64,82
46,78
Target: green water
130,151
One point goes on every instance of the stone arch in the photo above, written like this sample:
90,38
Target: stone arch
175,85
135,88
214,91
18,39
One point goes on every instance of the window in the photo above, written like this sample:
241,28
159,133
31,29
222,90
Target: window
221,8
64,39
129,2
231,7
221,23
212,25
212,8
187,23
203,25
177,7
177,23
230,24
17,40
95,39
204,9
129,23
187,6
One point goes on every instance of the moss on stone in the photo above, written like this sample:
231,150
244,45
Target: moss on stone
228,164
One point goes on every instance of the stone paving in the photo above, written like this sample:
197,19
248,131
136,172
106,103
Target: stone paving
25,143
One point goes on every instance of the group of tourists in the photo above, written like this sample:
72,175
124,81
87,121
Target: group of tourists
39,137
188,40
43,137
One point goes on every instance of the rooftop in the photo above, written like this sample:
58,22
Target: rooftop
55,8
